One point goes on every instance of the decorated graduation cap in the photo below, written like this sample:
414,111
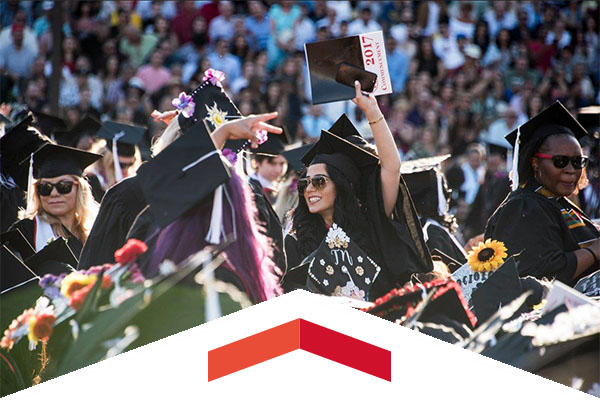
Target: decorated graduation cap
294,157
55,258
339,267
48,124
18,143
181,176
553,119
88,125
15,241
425,182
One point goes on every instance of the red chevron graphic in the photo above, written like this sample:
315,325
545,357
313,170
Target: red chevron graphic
299,334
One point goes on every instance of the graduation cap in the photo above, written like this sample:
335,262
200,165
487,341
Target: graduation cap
87,125
294,157
13,272
425,182
54,160
55,258
589,117
340,267
15,241
18,143
274,146
343,128
182,175
501,288
125,136
48,123
553,119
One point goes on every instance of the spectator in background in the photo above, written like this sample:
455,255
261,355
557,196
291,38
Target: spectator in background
365,23
463,23
499,17
28,41
473,169
446,47
283,16
182,22
313,122
499,128
304,29
222,60
16,58
137,46
222,27
258,25
398,64
154,74
331,22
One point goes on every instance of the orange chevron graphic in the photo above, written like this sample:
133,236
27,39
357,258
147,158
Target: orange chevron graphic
299,334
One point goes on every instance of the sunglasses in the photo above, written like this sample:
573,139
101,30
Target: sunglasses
318,181
560,162
125,165
62,187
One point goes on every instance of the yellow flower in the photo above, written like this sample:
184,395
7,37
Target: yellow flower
215,116
75,281
487,256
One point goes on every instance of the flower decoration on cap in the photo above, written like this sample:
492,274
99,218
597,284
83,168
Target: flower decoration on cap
215,116
214,76
263,136
230,155
487,256
184,104
337,238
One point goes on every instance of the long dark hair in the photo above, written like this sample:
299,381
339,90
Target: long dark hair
310,228
530,148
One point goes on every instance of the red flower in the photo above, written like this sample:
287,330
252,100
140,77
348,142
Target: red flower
44,325
78,297
130,251
106,282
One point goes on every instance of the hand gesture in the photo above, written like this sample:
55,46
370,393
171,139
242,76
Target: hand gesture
367,103
249,127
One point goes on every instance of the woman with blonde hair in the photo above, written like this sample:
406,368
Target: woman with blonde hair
60,202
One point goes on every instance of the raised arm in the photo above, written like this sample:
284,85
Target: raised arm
386,148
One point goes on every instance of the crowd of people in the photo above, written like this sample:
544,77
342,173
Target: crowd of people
189,124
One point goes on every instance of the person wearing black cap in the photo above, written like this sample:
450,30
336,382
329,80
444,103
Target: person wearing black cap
60,202
350,192
554,238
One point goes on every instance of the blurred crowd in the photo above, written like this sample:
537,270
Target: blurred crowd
464,73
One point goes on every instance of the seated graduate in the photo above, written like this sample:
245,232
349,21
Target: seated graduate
427,186
17,143
554,237
219,207
60,202
355,225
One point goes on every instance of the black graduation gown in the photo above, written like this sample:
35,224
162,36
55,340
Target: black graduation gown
268,218
27,228
119,208
97,189
11,199
546,229
438,238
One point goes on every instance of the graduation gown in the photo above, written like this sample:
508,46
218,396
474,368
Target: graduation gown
545,229
438,237
97,189
11,199
28,228
119,208
268,218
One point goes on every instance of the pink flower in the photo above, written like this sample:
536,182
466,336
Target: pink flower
230,155
185,104
263,136
214,77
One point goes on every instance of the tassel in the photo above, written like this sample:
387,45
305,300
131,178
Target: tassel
442,203
216,218
30,186
118,172
212,306
515,161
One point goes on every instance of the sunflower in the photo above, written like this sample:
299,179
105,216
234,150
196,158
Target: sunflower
215,116
487,256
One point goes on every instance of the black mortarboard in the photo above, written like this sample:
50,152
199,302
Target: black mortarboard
182,175
127,136
4,119
343,128
589,116
17,144
15,241
12,270
553,119
54,160
294,157
340,267
425,183
274,146
87,125
502,287
212,105
48,124
500,150
55,258
342,154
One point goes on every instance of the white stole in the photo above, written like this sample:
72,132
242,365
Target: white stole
43,233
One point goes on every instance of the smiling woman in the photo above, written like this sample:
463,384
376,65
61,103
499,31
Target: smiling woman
61,204
554,237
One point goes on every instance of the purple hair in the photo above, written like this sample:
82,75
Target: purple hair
249,257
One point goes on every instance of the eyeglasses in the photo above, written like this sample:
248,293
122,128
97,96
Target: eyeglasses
62,187
318,181
560,162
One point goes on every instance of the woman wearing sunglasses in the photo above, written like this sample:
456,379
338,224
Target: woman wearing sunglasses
555,238
60,203
350,185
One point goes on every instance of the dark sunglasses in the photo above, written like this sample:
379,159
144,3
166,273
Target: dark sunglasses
560,162
318,181
125,165
62,187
